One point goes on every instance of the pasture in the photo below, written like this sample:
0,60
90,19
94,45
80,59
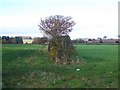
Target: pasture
28,66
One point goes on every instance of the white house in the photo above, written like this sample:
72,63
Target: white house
27,40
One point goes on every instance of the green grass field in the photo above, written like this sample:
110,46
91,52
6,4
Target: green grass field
28,66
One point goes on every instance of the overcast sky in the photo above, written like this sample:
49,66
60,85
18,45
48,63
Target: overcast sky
94,18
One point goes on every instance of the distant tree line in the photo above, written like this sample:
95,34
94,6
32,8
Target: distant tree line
20,40
77,41
96,41
44,40
11,40
38,40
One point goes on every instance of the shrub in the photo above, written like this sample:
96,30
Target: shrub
60,49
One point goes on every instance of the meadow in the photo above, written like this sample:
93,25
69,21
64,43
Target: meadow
28,66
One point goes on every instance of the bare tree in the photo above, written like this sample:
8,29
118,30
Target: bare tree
57,25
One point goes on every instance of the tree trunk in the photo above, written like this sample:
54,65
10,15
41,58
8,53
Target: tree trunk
48,47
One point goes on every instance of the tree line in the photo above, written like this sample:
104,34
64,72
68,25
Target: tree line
19,40
38,40
11,40
45,40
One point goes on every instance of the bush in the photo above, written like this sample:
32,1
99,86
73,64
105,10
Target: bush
116,41
60,49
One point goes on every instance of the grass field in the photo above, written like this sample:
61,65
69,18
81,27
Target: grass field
28,66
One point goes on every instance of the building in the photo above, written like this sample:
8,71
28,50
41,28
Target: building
27,39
